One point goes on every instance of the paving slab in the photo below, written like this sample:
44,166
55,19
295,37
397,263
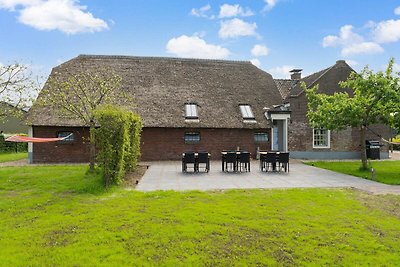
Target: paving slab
168,176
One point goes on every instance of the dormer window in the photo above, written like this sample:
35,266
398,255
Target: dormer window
246,111
191,111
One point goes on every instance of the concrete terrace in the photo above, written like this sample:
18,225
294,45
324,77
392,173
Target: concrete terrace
168,176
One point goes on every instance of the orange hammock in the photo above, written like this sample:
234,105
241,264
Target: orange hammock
26,139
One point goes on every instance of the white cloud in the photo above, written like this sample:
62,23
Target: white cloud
255,62
351,43
227,11
235,28
13,4
387,31
270,4
346,37
259,50
195,47
362,48
63,15
281,71
202,12
397,10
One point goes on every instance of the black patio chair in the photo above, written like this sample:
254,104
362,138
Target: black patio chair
262,161
244,161
203,158
268,161
231,160
188,158
284,161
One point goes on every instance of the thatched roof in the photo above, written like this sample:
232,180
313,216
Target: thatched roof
285,86
328,79
160,88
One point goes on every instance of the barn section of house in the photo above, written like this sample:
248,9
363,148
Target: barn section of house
185,105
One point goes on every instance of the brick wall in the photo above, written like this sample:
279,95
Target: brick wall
168,144
57,152
156,143
301,134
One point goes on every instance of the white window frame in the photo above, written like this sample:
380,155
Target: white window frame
191,111
328,138
246,111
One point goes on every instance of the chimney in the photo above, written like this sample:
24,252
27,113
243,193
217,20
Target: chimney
295,74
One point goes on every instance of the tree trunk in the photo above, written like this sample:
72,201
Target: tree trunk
92,147
364,160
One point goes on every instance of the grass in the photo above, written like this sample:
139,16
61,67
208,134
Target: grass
61,216
387,172
5,157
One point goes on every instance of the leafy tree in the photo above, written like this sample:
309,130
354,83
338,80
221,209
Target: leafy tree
17,89
375,99
78,93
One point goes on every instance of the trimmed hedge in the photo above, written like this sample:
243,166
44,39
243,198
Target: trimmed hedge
118,141
12,147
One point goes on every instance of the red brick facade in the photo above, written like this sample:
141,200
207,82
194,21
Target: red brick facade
156,143
57,152
168,144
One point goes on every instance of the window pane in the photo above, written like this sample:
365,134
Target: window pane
321,137
191,111
246,111
70,137
192,138
261,137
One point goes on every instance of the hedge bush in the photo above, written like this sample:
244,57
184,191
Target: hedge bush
118,142
12,147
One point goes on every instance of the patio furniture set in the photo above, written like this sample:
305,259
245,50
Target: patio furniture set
236,161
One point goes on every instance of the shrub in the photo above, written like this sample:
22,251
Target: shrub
118,141
9,147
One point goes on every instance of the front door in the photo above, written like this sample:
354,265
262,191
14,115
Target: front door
279,135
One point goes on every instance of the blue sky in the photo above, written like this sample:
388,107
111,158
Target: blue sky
277,35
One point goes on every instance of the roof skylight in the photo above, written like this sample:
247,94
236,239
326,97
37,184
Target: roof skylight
191,111
247,113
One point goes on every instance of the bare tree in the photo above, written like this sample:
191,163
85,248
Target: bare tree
79,92
17,89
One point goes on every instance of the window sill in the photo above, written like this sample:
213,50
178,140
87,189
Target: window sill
192,120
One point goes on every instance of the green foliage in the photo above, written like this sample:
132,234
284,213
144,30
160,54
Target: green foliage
60,216
7,147
375,98
118,140
387,172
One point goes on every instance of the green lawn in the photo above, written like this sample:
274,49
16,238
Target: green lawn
387,172
58,216
5,157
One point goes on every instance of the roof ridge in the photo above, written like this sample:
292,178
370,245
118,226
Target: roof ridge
322,74
163,58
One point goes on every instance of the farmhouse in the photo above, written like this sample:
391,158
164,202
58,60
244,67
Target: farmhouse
197,104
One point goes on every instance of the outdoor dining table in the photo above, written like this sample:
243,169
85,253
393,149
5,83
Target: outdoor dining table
197,160
223,155
276,156
277,153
